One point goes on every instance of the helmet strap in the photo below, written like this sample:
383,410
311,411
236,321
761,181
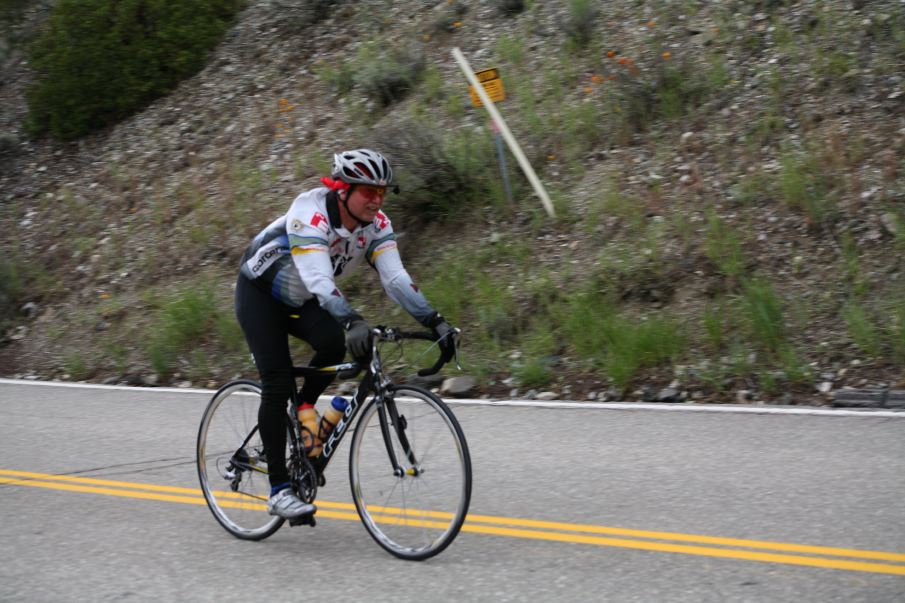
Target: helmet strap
345,202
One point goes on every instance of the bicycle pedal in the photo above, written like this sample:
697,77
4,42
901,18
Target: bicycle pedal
307,520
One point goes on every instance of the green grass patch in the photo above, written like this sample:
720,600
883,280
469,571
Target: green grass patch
752,189
878,329
620,345
723,248
862,329
809,187
340,77
76,366
765,315
715,326
851,262
184,321
896,330
511,49
535,367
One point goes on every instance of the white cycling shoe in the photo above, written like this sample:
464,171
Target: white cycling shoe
287,505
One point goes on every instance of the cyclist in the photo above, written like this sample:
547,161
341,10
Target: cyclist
286,286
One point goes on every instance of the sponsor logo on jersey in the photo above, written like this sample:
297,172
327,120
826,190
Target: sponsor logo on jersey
361,241
415,287
266,258
381,221
339,263
320,222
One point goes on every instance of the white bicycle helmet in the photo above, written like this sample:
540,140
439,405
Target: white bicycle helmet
362,166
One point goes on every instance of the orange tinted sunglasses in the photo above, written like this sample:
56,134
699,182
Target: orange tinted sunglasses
370,192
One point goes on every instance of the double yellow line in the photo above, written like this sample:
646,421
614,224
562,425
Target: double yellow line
669,542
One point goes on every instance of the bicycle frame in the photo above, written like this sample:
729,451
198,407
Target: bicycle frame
374,381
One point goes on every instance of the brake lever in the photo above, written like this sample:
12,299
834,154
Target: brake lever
457,332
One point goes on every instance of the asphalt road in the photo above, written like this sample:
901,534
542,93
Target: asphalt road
574,504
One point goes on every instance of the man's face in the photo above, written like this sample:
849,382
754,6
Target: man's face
366,200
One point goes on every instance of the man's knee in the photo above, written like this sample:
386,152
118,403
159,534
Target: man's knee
330,346
276,386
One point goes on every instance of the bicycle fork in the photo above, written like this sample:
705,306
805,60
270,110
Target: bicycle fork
391,421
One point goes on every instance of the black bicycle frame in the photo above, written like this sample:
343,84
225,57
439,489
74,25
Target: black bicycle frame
393,421
332,442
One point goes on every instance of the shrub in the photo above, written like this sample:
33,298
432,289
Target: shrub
99,61
297,15
440,173
8,143
388,77
669,91
510,7
341,78
579,24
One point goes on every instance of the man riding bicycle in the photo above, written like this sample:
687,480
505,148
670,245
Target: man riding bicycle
286,286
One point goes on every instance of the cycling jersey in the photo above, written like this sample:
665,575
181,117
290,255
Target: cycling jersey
299,256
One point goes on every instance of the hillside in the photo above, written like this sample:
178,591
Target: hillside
728,179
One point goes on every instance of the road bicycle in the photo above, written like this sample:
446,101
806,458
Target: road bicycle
409,465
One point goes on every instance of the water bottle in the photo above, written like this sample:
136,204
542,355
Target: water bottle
310,424
333,415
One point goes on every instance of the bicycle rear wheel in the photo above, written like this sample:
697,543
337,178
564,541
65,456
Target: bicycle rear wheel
416,512
232,466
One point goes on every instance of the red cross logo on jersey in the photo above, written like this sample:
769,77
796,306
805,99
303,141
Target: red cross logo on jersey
317,220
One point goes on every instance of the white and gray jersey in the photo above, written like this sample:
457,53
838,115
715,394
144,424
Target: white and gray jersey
301,254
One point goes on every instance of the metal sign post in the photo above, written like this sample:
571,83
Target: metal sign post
485,99
501,158
493,85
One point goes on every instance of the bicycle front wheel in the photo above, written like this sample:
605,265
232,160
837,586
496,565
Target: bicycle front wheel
232,466
415,509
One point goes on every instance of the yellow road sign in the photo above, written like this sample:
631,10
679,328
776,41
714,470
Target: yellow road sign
493,85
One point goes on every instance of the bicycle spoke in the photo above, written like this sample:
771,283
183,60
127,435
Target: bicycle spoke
235,480
417,514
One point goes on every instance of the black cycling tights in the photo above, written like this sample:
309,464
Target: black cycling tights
267,324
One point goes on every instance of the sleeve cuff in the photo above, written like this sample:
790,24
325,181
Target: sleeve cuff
433,320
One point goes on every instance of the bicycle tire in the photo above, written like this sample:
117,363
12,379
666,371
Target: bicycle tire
418,514
235,484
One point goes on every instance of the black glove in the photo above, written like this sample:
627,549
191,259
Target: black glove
358,338
445,334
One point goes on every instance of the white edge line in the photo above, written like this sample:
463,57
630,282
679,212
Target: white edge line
673,407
